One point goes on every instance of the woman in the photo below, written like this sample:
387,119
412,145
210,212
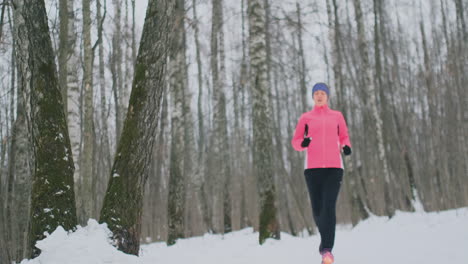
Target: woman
323,133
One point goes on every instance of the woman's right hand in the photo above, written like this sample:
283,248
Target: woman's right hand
305,143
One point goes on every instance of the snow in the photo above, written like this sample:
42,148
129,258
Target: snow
419,237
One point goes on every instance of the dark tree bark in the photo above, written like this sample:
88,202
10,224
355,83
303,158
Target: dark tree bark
52,198
123,202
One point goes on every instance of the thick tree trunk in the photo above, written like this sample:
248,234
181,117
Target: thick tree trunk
123,202
261,122
52,199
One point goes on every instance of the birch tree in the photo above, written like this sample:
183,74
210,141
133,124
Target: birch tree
177,82
219,160
261,123
105,148
87,186
116,64
72,90
371,105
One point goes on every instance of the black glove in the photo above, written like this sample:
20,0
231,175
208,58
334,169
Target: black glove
347,150
305,143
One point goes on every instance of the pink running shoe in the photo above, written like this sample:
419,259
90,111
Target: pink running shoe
327,257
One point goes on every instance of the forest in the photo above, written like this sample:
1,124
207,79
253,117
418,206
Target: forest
169,119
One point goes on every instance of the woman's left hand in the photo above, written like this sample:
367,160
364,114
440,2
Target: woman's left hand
347,150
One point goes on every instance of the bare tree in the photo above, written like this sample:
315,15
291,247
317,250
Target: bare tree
201,133
19,173
73,89
105,148
219,169
116,70
52,198
177,82
262,142
87,186
370,85
124,197
2,15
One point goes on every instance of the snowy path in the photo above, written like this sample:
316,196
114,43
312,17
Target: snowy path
428,238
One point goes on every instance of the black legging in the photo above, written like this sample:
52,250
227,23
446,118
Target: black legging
324,186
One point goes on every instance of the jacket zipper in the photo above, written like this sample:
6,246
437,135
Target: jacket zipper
323,139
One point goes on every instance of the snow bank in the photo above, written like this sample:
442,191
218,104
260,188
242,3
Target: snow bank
87,245
429,238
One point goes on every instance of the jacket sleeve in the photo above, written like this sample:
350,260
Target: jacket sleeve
299,135
344,137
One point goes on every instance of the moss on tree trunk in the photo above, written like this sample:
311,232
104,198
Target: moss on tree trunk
122,209
52,198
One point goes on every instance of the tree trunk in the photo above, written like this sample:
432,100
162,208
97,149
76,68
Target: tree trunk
52,198
221,109
20,175
134,51
357,209
87,187
261,122
201,134
105,148
302,71
73,111
4,255
177,179
117,72
372,106
123,202
2,15
220,160
63,49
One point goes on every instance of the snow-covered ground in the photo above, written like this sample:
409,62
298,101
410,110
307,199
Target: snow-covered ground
429,238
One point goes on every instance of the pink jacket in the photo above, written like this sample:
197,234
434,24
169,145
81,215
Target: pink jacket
329,134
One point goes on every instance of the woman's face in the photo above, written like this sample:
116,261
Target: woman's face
320,98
